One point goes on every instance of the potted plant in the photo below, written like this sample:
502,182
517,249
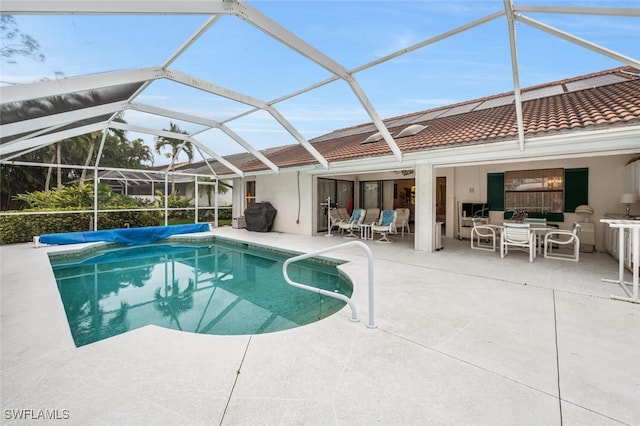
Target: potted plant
519,216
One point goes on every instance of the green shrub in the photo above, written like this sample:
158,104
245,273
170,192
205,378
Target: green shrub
22,228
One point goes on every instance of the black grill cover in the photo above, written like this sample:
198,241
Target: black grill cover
259,216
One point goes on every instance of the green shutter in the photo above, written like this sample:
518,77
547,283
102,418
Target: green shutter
576,188
495,191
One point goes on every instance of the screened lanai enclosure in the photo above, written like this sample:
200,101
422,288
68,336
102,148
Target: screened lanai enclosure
242,79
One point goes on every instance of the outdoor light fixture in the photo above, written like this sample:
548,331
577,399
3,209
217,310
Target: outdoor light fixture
628,199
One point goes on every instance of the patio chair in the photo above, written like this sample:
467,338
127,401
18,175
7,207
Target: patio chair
336,216
370,217
357,216
517,235
385,225
535,220
561,238
539,222
402,219
484,235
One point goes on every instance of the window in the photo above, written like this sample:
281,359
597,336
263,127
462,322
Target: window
250,192
534,191
575,189
371,194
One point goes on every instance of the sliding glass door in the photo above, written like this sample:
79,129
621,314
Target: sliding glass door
341,193
371,194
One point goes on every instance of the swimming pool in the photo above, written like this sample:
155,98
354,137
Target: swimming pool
210,287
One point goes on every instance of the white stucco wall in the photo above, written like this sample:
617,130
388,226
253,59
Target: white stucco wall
295,213
464,184
606,184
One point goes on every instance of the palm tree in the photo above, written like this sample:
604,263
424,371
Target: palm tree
93,140
176,146
209,190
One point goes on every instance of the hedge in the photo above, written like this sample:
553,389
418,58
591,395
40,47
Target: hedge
22,228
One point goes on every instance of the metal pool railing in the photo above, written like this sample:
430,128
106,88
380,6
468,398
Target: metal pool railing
354,313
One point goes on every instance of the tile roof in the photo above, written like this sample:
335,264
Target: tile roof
604,99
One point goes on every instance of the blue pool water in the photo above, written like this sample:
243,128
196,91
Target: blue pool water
213,287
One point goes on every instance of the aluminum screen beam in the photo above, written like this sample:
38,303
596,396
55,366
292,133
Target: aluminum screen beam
181,136
508,7
276,31
233,135
11,147
248,100
218,157
60,119
579,41
45,89
124,7
600,11
211,124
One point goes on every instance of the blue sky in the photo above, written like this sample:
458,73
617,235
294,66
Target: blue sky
236,55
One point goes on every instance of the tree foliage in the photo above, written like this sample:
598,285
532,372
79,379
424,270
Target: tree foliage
81,150
15,43
78,197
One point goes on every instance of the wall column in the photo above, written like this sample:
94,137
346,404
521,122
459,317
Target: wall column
425,210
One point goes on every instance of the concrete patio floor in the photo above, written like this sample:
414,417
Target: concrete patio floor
462,337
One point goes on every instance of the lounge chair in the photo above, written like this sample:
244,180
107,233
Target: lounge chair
402,219
370,217
385,225
357,216
559,238
337,216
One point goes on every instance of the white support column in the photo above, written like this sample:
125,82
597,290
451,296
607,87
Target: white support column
215,203
196,196
424,210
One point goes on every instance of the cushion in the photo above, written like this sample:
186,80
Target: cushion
355,216
387,218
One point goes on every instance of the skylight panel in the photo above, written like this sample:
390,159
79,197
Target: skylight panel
373,138
414,129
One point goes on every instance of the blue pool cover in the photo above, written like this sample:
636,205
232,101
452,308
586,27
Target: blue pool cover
143,235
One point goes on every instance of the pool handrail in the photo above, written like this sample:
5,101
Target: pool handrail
354,313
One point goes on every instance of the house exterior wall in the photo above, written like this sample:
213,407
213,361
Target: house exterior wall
291,194
606,184
464,184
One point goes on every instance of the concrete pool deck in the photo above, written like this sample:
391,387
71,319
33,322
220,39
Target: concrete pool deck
462,337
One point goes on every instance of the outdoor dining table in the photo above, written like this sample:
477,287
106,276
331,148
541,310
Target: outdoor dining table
539,231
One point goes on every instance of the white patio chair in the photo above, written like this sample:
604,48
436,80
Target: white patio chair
357,216
483,235
337,216
562,238
402,219
385,225
517,235
535,220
